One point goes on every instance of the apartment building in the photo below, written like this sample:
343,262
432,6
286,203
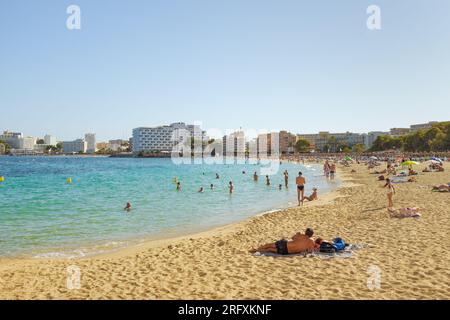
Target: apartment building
164,138
91,142
76,146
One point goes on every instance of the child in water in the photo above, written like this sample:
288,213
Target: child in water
127,207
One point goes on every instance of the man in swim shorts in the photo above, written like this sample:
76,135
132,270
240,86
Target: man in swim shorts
299,243
300,181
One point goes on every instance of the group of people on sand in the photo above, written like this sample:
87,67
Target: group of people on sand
434,167
299,243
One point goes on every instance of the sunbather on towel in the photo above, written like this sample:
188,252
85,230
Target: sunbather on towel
441,188
404,212
300,243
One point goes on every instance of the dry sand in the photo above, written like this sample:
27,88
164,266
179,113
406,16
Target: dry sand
412,255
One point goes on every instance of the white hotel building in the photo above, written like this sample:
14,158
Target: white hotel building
164,138
91,142
76,146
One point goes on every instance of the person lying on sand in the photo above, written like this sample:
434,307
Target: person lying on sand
411,172
299,243
312,197
404,212
441,188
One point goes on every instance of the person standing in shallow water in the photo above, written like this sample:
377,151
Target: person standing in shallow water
231,187
300,181
255,176
267,180
332,170
178,186
286,178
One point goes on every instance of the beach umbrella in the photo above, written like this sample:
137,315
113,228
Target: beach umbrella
409,163
433,161
373,158
436,159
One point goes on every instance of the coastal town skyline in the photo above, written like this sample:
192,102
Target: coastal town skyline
165,137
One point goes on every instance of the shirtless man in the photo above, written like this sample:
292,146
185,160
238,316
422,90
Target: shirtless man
299,243
300,181
255,176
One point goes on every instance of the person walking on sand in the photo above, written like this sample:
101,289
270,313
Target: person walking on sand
286,178
300,181
390,192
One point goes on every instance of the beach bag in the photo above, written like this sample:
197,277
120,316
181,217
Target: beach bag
339,244
326,247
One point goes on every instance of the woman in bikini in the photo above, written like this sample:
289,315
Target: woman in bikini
390,192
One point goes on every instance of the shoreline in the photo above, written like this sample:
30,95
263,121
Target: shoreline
161,240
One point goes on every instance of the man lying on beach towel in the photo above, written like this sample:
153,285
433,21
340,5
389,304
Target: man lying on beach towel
300,243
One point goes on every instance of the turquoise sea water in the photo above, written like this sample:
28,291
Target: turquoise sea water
43,216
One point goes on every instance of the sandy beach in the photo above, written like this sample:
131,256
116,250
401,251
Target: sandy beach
411,254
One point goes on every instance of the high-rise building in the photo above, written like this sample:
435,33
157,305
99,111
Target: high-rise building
91,142
234,144
287,142
76,146
165,138
12,139
50,140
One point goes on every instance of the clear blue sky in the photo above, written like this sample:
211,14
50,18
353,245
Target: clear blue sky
299,65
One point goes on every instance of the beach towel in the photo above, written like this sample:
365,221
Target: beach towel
346,253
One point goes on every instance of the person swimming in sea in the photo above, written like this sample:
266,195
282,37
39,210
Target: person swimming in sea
127,207
201,190
217,176
211,186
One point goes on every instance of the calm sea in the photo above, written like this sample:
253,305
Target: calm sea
41,215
